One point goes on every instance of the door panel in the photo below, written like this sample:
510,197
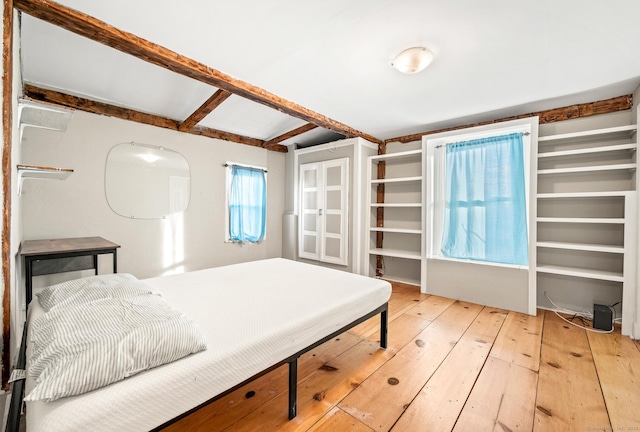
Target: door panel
310,223
324,192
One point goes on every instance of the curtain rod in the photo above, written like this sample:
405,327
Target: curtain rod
454,142
245,166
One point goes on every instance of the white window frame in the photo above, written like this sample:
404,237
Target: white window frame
436,183
227,198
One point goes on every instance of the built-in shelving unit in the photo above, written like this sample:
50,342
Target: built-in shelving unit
40,172
400,227
587,212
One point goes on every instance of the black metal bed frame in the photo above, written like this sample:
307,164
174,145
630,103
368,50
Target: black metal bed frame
17,392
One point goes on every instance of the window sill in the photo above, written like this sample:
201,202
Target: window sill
485,263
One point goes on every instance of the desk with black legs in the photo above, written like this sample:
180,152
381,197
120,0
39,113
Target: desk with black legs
42,257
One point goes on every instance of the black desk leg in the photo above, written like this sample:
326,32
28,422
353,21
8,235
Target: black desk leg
293,387
95,263
115,260
29,281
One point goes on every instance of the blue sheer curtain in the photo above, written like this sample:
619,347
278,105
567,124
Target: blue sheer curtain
485,213
247,204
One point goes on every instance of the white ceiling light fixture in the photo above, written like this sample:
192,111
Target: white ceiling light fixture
413,60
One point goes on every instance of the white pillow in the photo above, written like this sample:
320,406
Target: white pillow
85,347
85,290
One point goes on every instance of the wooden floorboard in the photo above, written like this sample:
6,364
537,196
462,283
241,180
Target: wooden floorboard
618,365
503,399
450,365
441,399
569,393
520,339
403,376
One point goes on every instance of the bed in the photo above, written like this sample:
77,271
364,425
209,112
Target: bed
254,316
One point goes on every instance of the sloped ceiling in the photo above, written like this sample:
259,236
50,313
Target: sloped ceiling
493,59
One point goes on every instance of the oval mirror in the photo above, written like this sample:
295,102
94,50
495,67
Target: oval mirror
146,182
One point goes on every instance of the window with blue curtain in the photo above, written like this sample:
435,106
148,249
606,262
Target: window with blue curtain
247,204
485,211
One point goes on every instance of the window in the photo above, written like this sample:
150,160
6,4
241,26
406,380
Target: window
247,203
485,211
479,197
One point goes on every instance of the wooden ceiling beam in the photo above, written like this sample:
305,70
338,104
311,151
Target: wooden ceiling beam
619,103
99,31
81,104
295,132
205,109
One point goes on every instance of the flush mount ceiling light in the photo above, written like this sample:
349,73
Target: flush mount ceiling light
413,60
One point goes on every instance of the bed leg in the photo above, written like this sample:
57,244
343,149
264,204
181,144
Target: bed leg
383,329
293,387
17,391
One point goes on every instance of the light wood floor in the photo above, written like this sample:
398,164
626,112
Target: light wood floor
450,365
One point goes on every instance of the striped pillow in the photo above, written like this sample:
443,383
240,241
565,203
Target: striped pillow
85,347
85,290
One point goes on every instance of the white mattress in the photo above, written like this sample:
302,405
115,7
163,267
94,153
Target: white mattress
253,316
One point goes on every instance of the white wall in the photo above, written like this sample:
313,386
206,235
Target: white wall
77,206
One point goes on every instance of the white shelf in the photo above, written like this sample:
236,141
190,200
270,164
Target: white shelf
629,166
399,205
587,151
582,220
579,272
392,278
626,130
400,156
395,253
564,195
41,173
581,247
397,180
396,230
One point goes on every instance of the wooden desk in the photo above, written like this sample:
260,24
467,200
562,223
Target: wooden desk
42,257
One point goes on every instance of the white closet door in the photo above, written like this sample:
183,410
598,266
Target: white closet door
324,208
335,213
310,205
